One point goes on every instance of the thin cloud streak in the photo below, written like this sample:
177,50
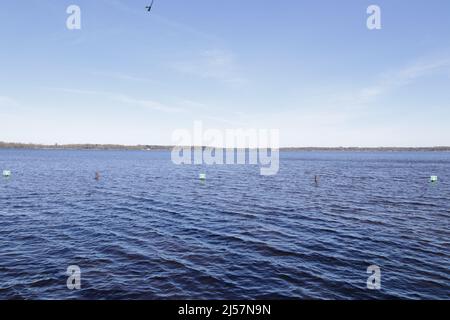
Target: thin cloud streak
149,104
403,77
123,98
174,25
120,76
6,101
212,64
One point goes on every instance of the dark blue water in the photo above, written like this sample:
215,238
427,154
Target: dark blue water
151,230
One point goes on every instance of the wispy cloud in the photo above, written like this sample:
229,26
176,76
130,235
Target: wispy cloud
123,98
148,104
139,11
80,91
235,122
190,104
207,111
6,101
340,108
389,81
212,64
119,76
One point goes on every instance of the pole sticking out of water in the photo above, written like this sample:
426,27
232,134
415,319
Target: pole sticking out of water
97,176
316,180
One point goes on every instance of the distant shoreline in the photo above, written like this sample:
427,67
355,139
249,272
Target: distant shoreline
31,146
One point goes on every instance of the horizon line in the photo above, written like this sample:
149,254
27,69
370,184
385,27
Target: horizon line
113,146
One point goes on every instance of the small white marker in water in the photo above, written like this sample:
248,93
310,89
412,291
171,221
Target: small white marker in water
6,173
202,176
433,179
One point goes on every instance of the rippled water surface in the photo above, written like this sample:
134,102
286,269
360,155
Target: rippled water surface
151,230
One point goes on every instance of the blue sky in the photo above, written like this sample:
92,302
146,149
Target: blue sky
309,68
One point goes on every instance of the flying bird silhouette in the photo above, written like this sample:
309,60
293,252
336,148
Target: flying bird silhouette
149,8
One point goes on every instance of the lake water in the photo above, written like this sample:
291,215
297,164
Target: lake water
149,229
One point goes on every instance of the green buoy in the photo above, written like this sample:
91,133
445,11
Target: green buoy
433,179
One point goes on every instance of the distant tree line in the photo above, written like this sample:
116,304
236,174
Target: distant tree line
87,146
